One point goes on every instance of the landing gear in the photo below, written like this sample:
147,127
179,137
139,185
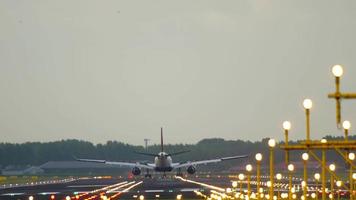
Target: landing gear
179,172
148,175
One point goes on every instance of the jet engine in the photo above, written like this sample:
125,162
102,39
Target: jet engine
136,171
191,170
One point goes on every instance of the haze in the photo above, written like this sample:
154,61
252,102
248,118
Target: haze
119,70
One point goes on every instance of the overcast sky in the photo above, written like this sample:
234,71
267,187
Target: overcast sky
119,70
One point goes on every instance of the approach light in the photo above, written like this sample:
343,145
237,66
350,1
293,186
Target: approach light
258,156
271,143
332,167
346,125
337,70
279,176
317,176
290,167
249,167
305,156
287,125
307,104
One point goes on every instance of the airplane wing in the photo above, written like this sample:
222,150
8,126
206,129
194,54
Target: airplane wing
190,163
125,164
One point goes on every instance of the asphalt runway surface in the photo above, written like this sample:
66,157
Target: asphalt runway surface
113,188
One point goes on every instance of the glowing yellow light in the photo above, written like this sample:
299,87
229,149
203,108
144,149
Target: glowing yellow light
290,167
287,125
317,176
332,167
307,103
305,156
338,183
346,125
258,156
248,167
279,176
352,156
241,177
337,70
271,143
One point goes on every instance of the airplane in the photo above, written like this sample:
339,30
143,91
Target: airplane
163,162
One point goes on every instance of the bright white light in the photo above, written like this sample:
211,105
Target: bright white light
67,197
317,176
323,141
279,176
142,197
332,167
337,70
269,184
352,156
234,184
338,183
307,103
313,195
303,184
241,177
290,167
258,156
305,156
354,176
30,198
271,143
346,125
287,125
248,167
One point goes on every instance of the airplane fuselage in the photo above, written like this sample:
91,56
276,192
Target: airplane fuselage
163,162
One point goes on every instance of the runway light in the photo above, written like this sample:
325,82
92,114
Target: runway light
317,176
30,198
290,167
179,196
67,197
287,125
142,197
352,156
258,156
346,125
305,156
337,70
53,197
271,143
332,167
307,104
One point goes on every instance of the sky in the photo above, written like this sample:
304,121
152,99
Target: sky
120,70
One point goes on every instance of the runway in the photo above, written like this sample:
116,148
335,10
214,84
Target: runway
172,187
114,188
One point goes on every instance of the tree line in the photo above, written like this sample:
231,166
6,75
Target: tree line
37,153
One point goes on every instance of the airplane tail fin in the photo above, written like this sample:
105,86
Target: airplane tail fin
161,139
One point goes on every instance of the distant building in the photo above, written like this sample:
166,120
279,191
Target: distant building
81,167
